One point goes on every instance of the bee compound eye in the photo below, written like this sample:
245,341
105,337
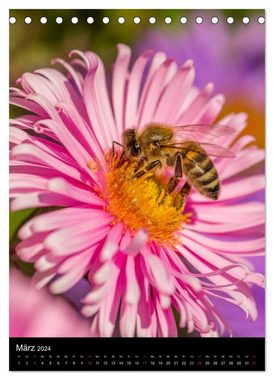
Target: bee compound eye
135,150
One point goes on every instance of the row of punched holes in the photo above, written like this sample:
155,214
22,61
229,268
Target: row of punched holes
137,20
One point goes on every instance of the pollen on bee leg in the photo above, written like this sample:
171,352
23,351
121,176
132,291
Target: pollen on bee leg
135,202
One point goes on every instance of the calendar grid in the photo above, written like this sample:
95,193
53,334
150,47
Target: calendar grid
46,354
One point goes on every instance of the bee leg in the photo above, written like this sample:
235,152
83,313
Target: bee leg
140,164
178,173
147,168
172,183
122,159
174,180
122,155
180,199
113,146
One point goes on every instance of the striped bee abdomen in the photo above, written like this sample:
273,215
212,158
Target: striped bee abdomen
201,172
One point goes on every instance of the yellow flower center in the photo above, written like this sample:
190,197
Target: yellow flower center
139,203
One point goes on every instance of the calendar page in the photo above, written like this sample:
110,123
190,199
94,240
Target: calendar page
137,190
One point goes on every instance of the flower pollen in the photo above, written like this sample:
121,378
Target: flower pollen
137,203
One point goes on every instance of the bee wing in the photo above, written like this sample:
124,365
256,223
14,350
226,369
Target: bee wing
217,150
211,149
202,132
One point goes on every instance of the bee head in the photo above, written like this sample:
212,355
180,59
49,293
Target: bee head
131,143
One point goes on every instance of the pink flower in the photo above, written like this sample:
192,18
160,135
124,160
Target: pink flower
143,258
39,313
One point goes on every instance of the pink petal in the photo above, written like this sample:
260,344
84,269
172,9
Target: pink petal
19,167
27,250
137,243
81,130
111,245
174,94
95,295
153,92
242,162
242,142
236,121
237,189
132,292
119,80
133,88
157,61
76,150
67,281
90,310
193,112
98,104
22,102
146,317
109,308
210,112
165,301
53,149
63,187
57,219
37,84
157,274
40,199
40,279
232,212
167,325
94,328
104,272
74,74
203,260
70,240
31,183
33,154
205,227
127,322
126,240
63,87
81,259
43,264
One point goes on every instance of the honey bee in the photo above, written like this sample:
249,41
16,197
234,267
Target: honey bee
159,146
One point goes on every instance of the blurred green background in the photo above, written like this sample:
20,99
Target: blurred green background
34,45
